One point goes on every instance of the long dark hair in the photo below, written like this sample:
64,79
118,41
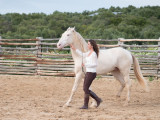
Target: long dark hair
95,46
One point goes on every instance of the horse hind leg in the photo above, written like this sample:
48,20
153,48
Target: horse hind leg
123,78
117,74
128,86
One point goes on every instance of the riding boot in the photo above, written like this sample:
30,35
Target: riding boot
86,100
94,96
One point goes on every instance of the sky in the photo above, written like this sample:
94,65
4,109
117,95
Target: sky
49,6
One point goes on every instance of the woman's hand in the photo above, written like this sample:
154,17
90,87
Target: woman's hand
73,48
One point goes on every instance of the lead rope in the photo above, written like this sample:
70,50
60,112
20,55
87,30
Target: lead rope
82,66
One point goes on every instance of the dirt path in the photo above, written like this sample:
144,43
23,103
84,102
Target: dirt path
42,98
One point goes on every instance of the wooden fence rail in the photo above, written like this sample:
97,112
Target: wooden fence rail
41,57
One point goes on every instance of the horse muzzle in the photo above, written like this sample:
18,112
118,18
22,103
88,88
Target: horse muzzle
60,46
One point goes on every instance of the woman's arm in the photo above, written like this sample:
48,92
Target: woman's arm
73,48
79,52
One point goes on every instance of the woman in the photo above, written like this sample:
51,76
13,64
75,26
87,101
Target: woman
91,63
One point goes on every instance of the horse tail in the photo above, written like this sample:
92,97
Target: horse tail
139,75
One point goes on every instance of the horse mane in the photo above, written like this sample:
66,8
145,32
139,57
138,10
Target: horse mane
79,39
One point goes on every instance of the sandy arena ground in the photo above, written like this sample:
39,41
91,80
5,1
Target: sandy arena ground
42,98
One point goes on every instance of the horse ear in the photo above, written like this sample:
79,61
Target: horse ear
73,29
68,28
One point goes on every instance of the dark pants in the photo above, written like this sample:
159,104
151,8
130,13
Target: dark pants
89,77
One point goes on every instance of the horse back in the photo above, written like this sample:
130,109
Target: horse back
110,59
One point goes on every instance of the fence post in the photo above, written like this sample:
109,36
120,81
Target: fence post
39,50
120,43
158,61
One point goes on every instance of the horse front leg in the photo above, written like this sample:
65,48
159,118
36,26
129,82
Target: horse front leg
78,79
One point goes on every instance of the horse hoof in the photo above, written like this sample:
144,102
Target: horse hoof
125,104
118,96
94,104
66,105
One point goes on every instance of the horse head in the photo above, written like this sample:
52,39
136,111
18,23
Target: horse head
66,38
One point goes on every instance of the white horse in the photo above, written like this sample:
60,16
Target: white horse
117,60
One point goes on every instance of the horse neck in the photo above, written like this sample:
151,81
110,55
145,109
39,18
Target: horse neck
79,43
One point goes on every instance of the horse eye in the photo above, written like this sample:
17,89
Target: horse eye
67,34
